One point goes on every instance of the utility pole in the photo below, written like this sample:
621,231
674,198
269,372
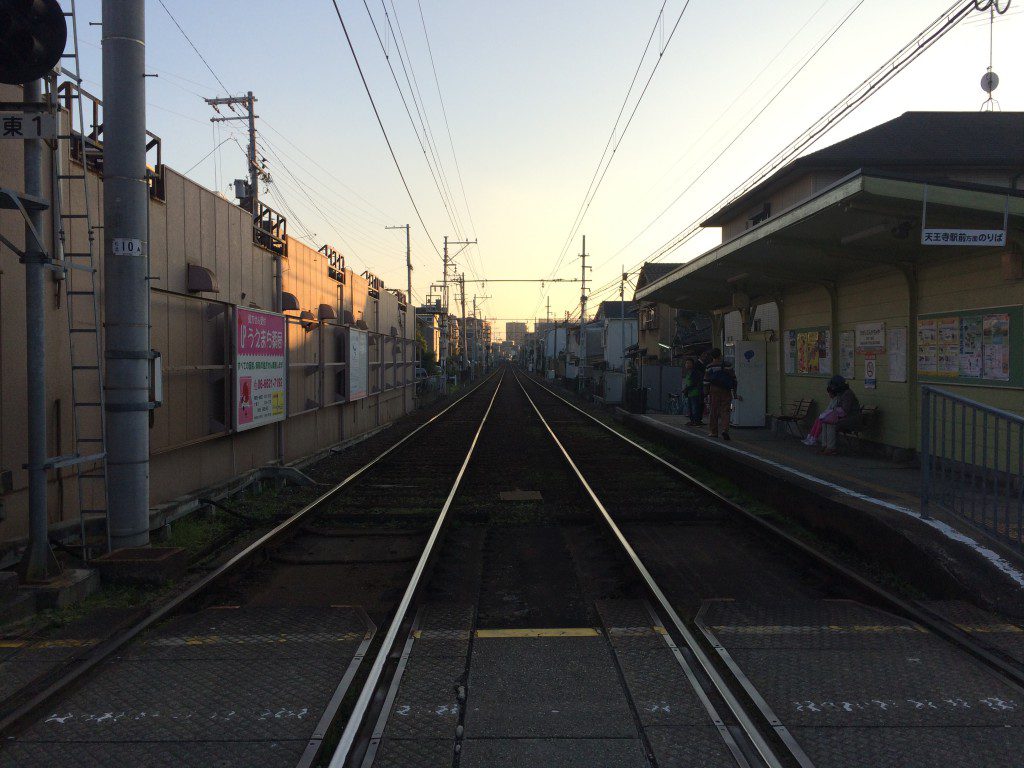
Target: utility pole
250,200
465,325
408,259
248,103
477,331
126,275
410,327
583,317
449,260
622,312
38,563
447,315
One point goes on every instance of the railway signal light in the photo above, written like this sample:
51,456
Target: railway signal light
32,38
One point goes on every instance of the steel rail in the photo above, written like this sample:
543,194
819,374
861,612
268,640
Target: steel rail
755,736
104,650
920,614
361,710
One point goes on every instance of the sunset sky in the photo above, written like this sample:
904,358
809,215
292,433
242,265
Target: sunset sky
531,91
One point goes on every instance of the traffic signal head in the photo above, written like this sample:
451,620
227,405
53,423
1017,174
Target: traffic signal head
32,38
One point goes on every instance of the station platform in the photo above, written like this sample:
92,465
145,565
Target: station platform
868,503
227,686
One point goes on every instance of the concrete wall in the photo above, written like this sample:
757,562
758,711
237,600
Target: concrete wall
193,445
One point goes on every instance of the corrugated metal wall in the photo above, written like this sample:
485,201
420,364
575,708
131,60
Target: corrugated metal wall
192,443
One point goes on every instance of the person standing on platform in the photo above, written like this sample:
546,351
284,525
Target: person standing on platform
693,391
720,380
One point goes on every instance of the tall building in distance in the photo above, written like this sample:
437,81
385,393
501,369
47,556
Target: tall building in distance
516,333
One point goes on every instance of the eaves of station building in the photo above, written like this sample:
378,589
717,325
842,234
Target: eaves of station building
832,247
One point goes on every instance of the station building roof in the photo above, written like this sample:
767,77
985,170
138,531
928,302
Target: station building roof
865,219
908,143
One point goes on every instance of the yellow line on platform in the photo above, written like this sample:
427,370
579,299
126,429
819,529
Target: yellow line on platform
781,629
990,628
550,632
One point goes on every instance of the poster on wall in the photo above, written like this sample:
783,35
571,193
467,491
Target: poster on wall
948,347
847,347
260,368
870,371
896,348
871,336
809,352
358,363
996,347
927,350
970,346
825,353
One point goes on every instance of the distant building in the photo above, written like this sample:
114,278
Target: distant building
516,333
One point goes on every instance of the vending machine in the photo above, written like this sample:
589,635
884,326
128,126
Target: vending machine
752,384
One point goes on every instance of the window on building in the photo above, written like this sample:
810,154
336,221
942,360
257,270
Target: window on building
759,216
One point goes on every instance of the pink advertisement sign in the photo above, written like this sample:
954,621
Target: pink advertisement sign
260,368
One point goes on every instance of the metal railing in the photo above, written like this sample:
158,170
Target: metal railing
972,462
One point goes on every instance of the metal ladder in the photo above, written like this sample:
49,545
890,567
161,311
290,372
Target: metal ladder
89,450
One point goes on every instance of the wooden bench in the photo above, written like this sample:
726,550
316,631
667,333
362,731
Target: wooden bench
868,417
798,411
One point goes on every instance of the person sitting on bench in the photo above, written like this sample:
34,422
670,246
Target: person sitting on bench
842,413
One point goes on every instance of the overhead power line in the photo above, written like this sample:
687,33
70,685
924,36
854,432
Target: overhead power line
380,122
189,40
842,109
612,145
784,85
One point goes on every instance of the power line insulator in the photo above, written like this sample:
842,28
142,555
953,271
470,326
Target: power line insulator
33,34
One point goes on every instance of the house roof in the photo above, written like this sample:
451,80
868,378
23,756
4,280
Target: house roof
918,140
651,271
615,309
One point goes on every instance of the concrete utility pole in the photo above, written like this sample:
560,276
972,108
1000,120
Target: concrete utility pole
251,201
247,102
409,317
622,312
449,260
126,271
447,315
465,325
583,317
38,563
478,328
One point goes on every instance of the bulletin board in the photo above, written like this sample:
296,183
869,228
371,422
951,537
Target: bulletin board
808,352
984,347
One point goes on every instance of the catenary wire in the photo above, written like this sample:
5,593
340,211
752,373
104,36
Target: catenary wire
380,122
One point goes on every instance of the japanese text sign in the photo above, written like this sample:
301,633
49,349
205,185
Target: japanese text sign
260,368
21,126
979,237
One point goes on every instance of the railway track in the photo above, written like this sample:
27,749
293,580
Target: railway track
517,582
732,643
303,601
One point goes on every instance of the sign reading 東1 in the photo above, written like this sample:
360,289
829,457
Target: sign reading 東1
19,125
